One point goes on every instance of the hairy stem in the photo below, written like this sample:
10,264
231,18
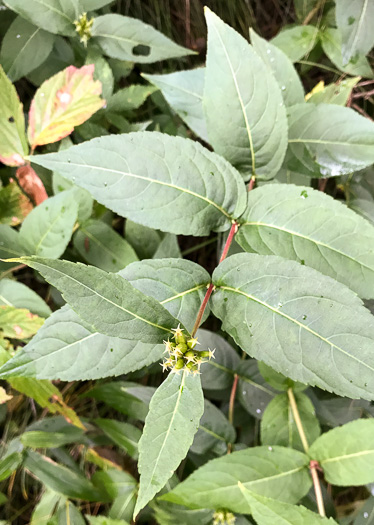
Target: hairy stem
233,230
313,464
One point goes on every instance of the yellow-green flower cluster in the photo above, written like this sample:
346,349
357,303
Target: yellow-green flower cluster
182,355
83,27
223,517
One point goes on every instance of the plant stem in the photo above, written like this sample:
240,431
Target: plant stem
296,416
231,406
313,464
233,230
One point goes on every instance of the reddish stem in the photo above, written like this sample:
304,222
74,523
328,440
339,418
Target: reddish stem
231,406
233,230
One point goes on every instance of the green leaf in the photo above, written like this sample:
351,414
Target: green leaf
144,240
13,293
346,453
62,102
130,39
11,245
176,185
76,351
107,301
168,247
253,392
61,479
296,41
102,72
307,225
278,425
328,140
213,428
13,142
281,67
183,91
49,226
281,473
14,205
102,520
304,324
332,45
365,515
128,398
122,488
124,435
250,128
103,247
129,98
90,5
24,48
9,464
267,511
62,55
336,93
18,323
41,439
69,514
44,510
178,284
303,8
174,414
55,16
277,380
353,20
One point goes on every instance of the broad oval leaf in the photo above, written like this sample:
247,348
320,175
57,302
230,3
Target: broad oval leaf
354,21
214,429
278,425
63,102
280,473
296,41
48,228
160,181
328,140
55,16
281,67
24,48
303,324
13,142
127,38
172,421
183,91
13,293
268,511
346,453
103,247
106,301
307,225
250,128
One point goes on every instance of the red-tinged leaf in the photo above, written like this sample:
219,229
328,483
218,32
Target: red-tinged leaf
62,102
13,142
14,205
31,184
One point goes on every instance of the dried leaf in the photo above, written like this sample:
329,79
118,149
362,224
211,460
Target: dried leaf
62,102
31,184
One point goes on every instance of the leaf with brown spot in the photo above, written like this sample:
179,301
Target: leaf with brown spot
18,323
62,102
31,184
13,142
14,205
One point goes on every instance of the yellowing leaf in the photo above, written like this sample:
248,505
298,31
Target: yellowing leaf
4,397
62,102
14,205
13,143
317,88
18,323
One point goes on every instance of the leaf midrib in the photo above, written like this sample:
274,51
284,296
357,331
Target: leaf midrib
310,239
358,28
22,49
147,179
301,325
347,456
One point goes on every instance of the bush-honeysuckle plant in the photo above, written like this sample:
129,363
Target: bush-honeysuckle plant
286,295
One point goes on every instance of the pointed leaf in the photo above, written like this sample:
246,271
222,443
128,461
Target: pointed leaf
346,453
281,67
172,421
303,324
353,19
129,98
214,429
55,16
328,140
176,185
49,226
250,129
278,425
124,435
300,223
267,511
336,93
130,39
18,323
24,48
11,245
63,102
107,301
281,473
13,143
183,91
